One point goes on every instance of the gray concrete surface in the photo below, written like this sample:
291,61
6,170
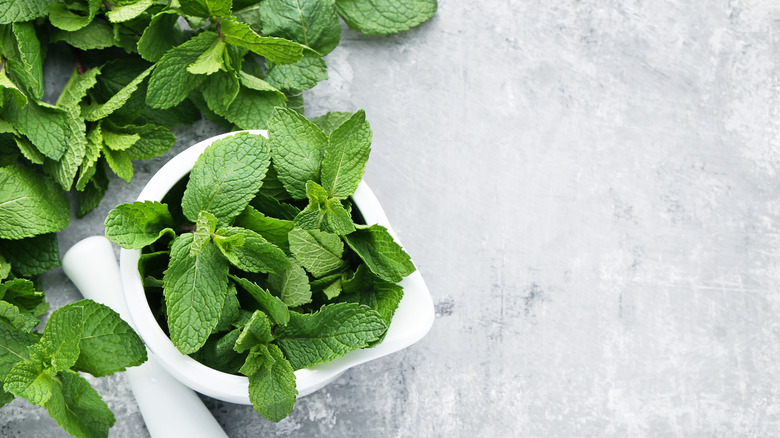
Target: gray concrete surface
591,190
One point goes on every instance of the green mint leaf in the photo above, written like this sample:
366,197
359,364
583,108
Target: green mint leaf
7,86
30,204
256,331
96,111
210,61
162,34
255,83
369,290
272,207
16,317
78,408
92,150
93,193
330,121
194,289
302,75
272,389
331,332
291,285
46,126
60,16
119,162
218,353
32,256
13,348
257,358
231,310
278,50
5,268
170,82
139,224
117,141
381,253
319,252
64,170
253,254
220,90
313,23
226,177
29,380
153,140
76,88
61,336
204,228
297,146
345,157
30,54
29,151
21,293
275,308
96,35
12,11
251,109
107,343
385,17
272,229
207,8
127,12
324,213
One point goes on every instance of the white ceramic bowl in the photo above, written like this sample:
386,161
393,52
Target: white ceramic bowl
411,322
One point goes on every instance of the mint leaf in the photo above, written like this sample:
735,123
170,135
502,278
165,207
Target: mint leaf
194,289
61,336
207,8
220,90
64,170
302,75
369,290
330,121
345,157
22,10
170,82
231,310
96,35
254,254
21,293
257,358
313,23
96,111
107,343
45,125
16,317
30,54
324,213
78,408
76,88
211,60
383,17
139,224
272,229
251,109
255,83
272,207
118,141
153,140
62,17
278,50
256,331
331,332
127,12
32,256
292,285
226,177
162,34
13,348
319,252
6,85
297,146
29,380
381,253
93,193
204,228
30,204
275,308
272,389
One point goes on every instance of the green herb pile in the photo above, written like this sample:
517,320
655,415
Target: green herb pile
257,263
139,68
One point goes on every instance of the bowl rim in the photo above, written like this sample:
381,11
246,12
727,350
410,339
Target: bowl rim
411,322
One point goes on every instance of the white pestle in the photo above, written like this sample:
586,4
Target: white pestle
169,408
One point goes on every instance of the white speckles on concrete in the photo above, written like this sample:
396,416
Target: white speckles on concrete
591,190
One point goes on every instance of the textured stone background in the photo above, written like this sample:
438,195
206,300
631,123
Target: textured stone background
591,190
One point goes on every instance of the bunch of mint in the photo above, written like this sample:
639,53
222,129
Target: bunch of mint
258,263
42,368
